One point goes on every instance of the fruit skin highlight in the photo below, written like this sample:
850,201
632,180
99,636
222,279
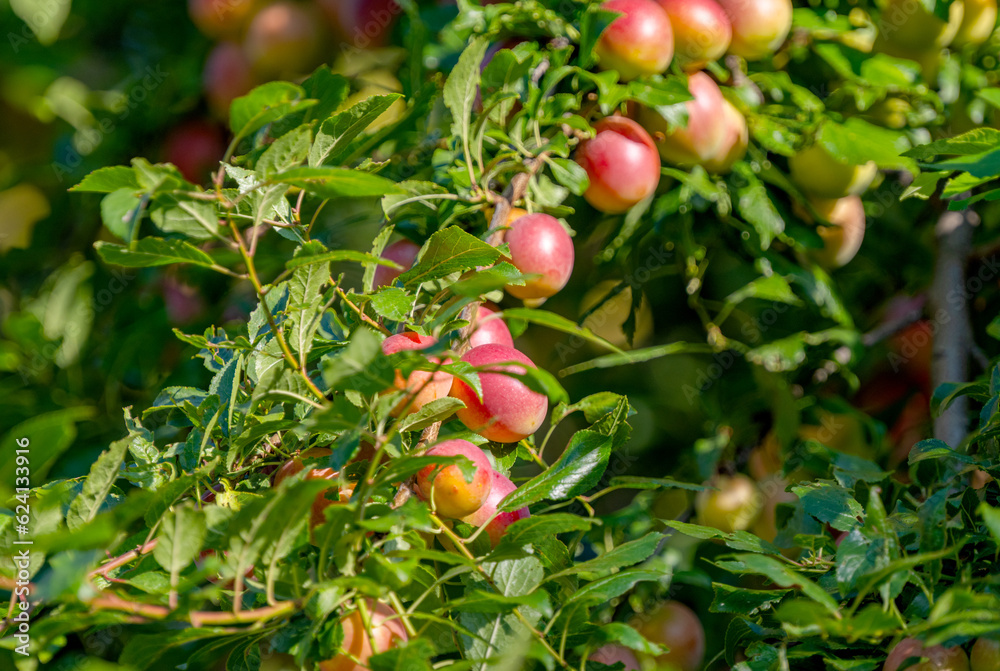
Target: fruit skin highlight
539,245
500,487
715,136
509,411
453,496
641,42
622,164
490,330
760,27
702,31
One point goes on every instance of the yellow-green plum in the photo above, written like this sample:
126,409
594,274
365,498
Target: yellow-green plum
819,173
909,25
733,505
978,22
447,489
985,655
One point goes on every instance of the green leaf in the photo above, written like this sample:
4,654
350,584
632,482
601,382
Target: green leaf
539,527
753,201
460,91
305,296
991,517
559,323
637,356
416,655
578,469
118,212
98,485
182,532
392,303
774,288
983,165
46,436
149,252
626,554
782,575
448,251
737,540
327,182
616,584
437,410
286,152
830,503
266,103
974,142
107,180
743,601
336,133
569,173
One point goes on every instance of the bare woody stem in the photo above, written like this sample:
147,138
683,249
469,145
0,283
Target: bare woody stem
121,560
196,618
950,307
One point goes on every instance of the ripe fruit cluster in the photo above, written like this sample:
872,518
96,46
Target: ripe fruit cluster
621,159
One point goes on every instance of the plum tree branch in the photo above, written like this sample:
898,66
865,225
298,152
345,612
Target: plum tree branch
950,306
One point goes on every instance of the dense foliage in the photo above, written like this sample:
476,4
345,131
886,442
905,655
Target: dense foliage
286,432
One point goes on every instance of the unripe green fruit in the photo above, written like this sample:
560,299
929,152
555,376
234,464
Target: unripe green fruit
733,505
978,22
817,172
910,26
985,655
